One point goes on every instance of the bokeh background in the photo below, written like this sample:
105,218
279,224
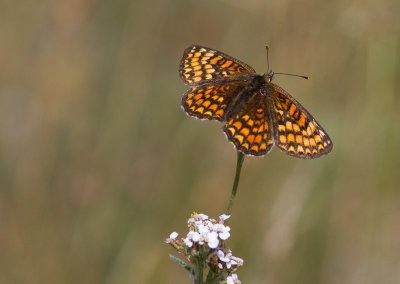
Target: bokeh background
99,164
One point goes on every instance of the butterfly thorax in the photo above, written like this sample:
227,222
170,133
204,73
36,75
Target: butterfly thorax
247,96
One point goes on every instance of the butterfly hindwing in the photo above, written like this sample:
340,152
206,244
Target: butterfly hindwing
250,130
296,132
209,101
201,64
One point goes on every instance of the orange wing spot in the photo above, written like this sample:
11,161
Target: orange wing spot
312,142
296,128
282,139
325,144
208,76
232,130
188,69
213,107
318,139
196,68
190,95
220,99
196,79
220,112
206,104
308,151
266,125
300,149
237,124
207,93
200,109
250,122
289,126
239,138
189,55
258,139
208,113
246,117
251,137
314,151
245,131
210,70
312,127
193,108
198,73
194,64
306,142
263,146
292,109
269,142
215,60
215,97
298,139
205,58
302,120
320,147
261,128
281,128
207,66
189,102
291,149
254,148
304,133
209,54
265,136
187,76
226,64
309,132
196,57
246,145
290,137
199,102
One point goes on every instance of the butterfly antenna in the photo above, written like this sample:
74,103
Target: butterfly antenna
295,75
267,57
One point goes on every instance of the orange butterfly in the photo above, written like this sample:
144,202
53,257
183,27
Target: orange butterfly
256,112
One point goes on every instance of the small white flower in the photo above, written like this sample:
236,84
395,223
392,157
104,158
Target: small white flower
233,279
173,235
224,235
202,216
224,217
194,236
188,242
223,231
212,240
236,261
222,256
203,229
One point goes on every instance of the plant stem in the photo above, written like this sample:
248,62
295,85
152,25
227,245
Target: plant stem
239,163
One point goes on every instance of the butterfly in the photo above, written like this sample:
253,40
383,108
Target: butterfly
256,112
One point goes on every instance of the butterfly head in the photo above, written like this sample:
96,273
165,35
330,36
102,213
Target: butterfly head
268,76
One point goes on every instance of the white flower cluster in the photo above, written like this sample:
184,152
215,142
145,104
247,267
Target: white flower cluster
205,239
204,230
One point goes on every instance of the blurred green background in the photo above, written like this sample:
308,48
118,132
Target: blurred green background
99,164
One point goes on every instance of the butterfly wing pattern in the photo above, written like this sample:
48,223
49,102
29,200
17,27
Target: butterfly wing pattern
201,64
296,132
256,112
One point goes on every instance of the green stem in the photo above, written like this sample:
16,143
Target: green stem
239,163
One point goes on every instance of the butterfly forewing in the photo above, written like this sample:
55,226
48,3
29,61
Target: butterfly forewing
296,132
250,129
201,64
